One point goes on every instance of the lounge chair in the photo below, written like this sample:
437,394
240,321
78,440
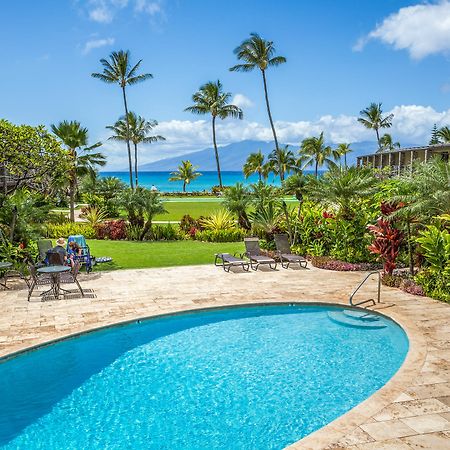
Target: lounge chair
228,261
285,254
254,254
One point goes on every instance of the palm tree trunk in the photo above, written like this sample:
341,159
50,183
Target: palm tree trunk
130,166
184,186
316,168
72,198
136,165
378,138
216,151
268,109
260,175
345,159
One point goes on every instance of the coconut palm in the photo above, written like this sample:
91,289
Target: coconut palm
119,70
256,52
186,173
314,151
282,160
82,160
444,135
372,118
237,200
254,164
139,130
210,99
343,150
387,143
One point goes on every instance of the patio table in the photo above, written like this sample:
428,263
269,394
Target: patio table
4,266
55,274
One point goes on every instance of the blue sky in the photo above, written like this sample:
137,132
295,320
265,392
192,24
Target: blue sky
342,55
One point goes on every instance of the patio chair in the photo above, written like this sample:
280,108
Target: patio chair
85,258
228,261
285,254
254,254
37,279
44,245
54,258
72,277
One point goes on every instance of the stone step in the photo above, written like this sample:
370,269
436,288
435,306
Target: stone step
342,319
361,315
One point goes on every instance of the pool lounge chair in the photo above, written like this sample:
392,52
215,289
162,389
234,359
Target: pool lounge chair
285,254
228,261
255,255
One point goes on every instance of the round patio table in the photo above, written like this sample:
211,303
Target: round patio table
55,273
5,265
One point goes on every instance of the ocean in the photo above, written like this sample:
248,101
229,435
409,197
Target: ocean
202,183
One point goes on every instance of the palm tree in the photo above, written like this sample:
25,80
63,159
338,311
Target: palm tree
444,135
118,69
387,143
372,118
237,200
152,206
346,189
314,151
254,164
186,173
139,130
283,161
344,150
82,162
210,99
256,52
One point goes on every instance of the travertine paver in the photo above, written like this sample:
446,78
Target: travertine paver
411,411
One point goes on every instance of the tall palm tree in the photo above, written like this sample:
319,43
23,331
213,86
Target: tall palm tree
443,134
118,69
139,130
82,162
387,143
372,118
344,150
254,164
210,99
283,161
314,151
256,52
186,173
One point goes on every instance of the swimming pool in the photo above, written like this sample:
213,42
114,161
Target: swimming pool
254,377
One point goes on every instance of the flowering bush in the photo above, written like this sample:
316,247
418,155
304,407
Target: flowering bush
325,262
111,229
69,228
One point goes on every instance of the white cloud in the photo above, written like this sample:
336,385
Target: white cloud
104,11
411,125
97,43
242,101
422,30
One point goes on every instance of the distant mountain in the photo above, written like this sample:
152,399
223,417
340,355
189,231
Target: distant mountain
233,156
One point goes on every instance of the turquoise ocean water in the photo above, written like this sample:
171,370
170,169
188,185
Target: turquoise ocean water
202,183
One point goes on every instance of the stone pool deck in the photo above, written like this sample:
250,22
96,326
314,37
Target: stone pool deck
412,411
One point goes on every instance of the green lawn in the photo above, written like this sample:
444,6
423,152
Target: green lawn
138,255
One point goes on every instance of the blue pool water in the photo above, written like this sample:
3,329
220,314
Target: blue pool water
257,377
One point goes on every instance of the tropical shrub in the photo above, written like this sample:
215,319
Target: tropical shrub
165,232
325,262
227,235
188,224
388,239
67,229
435,247
94,215
111,229
133,232
218,221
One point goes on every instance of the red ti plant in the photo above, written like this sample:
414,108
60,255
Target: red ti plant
388,239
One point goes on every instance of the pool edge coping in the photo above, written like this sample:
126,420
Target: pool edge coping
338,428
